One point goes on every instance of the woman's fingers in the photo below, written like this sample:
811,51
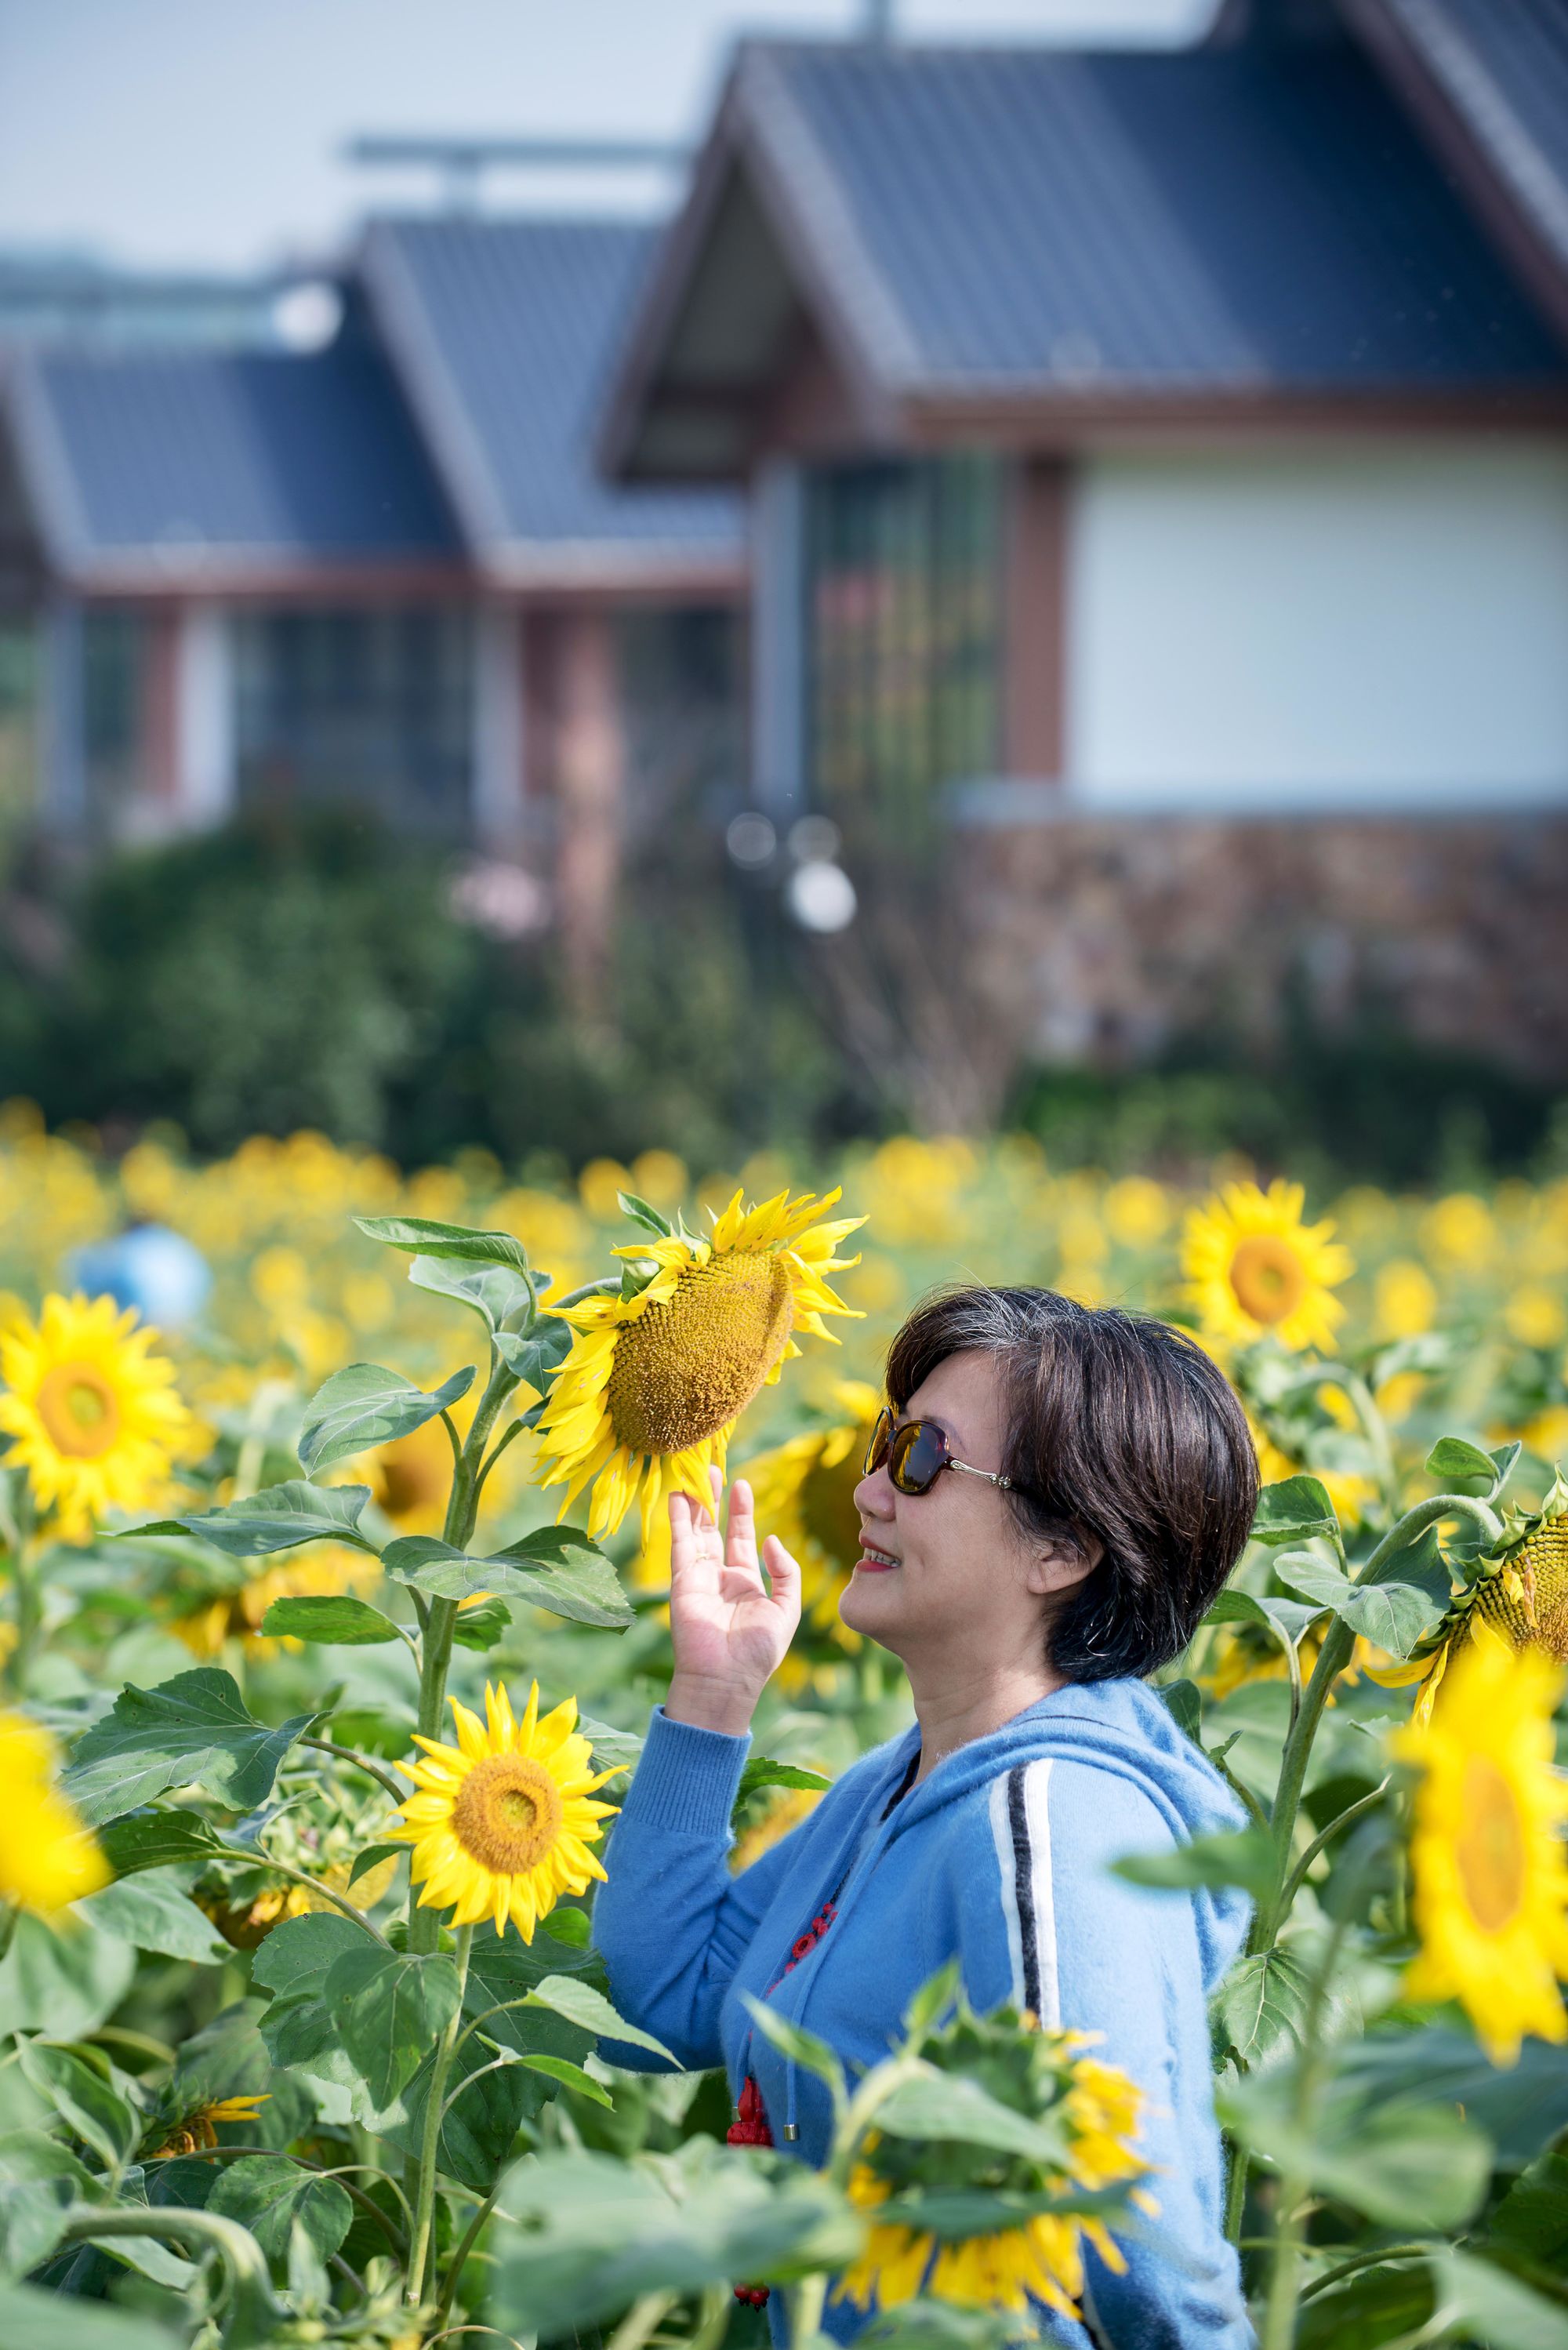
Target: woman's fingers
741,1549
783,1577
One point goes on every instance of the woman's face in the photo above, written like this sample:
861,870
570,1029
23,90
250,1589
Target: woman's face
949,1573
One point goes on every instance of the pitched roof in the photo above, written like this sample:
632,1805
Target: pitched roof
1490,79
504,332
1245,223
177,467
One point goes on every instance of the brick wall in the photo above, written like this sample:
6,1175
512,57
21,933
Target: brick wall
1105,939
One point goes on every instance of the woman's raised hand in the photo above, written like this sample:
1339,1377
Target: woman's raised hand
730,1630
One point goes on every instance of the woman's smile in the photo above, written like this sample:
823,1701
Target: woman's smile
876,1562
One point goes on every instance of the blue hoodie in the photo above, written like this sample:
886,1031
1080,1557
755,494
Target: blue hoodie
999,1858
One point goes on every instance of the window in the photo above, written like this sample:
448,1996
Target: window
373,706
903,633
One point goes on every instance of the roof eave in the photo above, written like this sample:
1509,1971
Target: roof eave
1059,419
743,135
245,574
1536,247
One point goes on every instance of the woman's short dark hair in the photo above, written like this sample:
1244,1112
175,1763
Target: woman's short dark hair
1119,1427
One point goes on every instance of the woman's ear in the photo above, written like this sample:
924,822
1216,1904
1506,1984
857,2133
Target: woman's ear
1060,1562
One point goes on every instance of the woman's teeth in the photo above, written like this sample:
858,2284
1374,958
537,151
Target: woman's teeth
877,1559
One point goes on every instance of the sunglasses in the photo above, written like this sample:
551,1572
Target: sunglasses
916,1455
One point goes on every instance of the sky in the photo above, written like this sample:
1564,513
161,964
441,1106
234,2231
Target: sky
206,134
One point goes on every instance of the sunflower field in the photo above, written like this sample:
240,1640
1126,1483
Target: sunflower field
332,1528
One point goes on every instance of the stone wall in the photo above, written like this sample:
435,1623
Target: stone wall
1106,939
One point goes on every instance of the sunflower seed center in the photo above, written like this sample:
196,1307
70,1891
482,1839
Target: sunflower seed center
688,1366
507,1813
1490,1847
1267,1278
80,1411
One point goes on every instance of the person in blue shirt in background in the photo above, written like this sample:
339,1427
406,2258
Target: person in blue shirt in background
1049,1505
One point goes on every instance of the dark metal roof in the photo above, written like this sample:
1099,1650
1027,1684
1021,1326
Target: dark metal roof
1502,67
195,464
1070,237
505,332
1208,217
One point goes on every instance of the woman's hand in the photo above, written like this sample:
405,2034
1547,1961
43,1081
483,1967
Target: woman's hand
729,1629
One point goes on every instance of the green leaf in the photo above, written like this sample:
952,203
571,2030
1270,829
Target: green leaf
66,1984
480,1627
152,1838
1532,2217
365,1405
947,2106
1262,2001
420,1237
153,1911
390,2008
588,2233
1289,1617
31,2217
1452,1457
1393,1614
570,2076
336,1621
280,1517
1183,1701
642,1213
97,2114
1475,2299
193,1731
293,1963
503,1299
1245,1857
555,1567
30,2320
269,2194
565,1924
536,1355
763,1772
1403,2165
613,1749
1293,1511
800,2046
371,1857
1374,2306
581,2004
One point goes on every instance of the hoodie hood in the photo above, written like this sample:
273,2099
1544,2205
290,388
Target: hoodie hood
1117,1725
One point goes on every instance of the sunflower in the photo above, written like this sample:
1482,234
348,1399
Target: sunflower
47,1857
655,1380
804,1493
1041,2260
93,1411
196,2133
503,1821
1519,1588
1490,1872
1252,1266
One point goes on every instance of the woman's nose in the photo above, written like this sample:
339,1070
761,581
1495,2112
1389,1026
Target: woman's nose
874,1496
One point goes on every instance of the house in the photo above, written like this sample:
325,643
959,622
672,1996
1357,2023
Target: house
384,570
1158,466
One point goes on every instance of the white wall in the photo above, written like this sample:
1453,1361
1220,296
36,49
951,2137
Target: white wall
206,780
1370,627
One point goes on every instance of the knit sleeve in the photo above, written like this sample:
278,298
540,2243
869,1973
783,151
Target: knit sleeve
672,1922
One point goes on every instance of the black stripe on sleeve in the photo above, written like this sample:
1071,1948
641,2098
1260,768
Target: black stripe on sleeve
1023,1887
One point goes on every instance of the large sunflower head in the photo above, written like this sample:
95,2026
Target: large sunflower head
804,1493
502,1822
47,1857
656,1379
1518,1589
1486,1851
93,1413
1095,2112
1253,1267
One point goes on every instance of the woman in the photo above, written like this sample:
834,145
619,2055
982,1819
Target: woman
1047,1511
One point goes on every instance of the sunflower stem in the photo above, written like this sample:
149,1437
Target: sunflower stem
420,2255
